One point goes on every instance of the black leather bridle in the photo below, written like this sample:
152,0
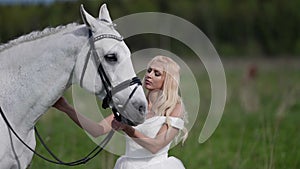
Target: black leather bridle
107,103
109,89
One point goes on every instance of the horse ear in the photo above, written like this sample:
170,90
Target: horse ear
104,14
88,20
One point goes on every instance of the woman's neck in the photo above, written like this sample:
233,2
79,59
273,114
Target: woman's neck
152,97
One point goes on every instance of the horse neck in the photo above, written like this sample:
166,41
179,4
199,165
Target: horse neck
36,74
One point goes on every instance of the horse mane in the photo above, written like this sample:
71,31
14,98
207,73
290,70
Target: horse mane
35,35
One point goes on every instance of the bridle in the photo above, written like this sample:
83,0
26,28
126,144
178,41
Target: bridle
109,89
107,103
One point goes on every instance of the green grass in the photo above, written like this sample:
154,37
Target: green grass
267,138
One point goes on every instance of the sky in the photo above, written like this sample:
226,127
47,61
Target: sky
8,2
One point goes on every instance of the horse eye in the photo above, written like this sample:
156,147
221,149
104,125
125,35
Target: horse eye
111,57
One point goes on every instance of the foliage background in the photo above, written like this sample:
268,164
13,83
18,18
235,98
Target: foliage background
263,35
236,28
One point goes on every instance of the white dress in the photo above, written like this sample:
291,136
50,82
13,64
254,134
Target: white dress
137,157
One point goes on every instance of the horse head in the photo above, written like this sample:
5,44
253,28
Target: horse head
107,51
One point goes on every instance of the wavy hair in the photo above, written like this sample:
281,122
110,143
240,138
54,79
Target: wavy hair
168,97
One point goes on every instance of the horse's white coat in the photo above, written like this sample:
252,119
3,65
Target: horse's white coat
34,73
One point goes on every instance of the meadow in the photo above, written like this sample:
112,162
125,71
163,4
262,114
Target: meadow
262,135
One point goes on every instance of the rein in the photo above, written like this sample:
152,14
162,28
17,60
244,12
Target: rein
107,103
84,160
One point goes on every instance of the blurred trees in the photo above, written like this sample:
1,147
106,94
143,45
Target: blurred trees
236,28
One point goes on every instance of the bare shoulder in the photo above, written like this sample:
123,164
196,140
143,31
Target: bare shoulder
178,110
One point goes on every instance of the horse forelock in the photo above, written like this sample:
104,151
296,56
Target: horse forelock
36,35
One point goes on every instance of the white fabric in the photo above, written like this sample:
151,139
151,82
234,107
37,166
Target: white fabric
137,157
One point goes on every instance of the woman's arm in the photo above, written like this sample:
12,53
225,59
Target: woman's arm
152,144
163,137
93,128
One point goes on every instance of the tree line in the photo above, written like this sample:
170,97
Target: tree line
236,28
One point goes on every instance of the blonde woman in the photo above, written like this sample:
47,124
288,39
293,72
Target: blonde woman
147,144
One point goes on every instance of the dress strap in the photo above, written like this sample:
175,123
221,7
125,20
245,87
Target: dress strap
176,122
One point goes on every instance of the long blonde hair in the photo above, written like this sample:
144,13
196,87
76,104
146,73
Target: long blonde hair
168,97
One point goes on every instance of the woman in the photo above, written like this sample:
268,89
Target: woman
148,143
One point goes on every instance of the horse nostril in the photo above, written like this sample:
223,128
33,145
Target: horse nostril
142,109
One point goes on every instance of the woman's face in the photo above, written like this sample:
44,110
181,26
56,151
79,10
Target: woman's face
154,77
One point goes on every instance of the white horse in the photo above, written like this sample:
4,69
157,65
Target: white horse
37,68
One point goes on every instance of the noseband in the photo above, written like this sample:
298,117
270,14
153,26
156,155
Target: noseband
109,89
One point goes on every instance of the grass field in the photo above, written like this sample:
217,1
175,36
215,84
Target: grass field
265,138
